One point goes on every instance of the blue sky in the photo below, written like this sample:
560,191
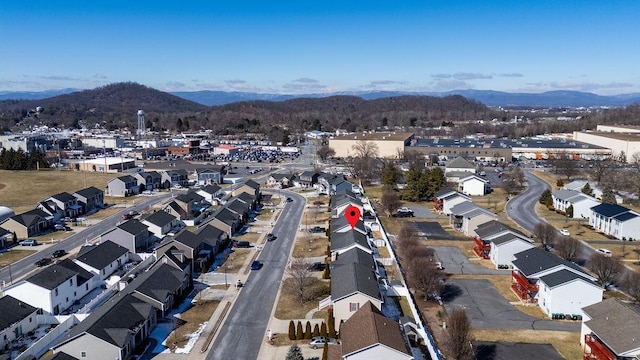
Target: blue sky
322,46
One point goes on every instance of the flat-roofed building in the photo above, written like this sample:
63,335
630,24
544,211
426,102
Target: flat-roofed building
620,143
390,144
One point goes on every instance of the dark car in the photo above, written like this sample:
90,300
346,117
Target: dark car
271,237
256,265
43,262
59,253
317,229
289,199
403,214
316,266
243,244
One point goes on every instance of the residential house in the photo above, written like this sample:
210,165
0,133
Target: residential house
63,356
5,238
90,199
438,197
102,259
87,281
505,246
579,184
339,203
336,184
250,187
131,234
490,230
341,225
27,224
114,331
368,334
17,318
473,185
162,286
211,193
67,203
532,264
239,207
467,216
452,200
249,199
50,289
281,181
356,255
566,292
457,169
53,212
195,248
209,175
175,258
344,241
615,220
187,207
610,330
150,180
307,179
352,286
227,221
171,178
160,223
216,238
125,185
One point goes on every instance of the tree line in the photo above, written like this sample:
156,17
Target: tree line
19,160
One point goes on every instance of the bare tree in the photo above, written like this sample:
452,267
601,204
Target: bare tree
300,278
565,165
600,169
458,337
365,149
567,247
545,233
631,284
606,269
390,201
325,152
426,277
517,175
363,161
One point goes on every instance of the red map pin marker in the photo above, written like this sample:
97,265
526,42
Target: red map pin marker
353,215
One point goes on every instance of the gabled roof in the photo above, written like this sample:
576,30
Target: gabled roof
179,172
63,197
473,177
211,189
455,195
252,184
509,237
114,321
626,216
369,327
564,276
565,194
30,217
51,277
355,255
125,179
159,282
237,206
13,311
83,275
494,227
464,207
211,234
615,323
210,169
63,356
189,197
246,197
89,192
342,200
188,238
342,240
133,226
609,210
536,260
159,218
341,222
443,192
280,176
225,214
459,163
99,256
479,211
354,278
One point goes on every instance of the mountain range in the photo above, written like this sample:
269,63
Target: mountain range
561,98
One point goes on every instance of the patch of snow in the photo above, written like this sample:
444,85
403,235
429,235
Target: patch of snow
193,337
390,308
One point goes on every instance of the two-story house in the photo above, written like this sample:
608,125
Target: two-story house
615,220
307,179
610,330
160,223
352,286
211,193
125,185
103,259
171,178
16,319
67,203
132,234
90,199
251,187
209,175
148,180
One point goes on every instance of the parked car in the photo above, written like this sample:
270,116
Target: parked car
243,244
43,262
271,237
289,199
317,229
318,203
316,266
605,252
59,227
59,253
318,342
256,265
564,232
28,242
403,214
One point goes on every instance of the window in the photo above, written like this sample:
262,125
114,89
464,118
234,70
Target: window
354,307
56,292
83,354
86,287
70,281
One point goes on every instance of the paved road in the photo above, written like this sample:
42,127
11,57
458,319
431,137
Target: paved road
487,309
522,207
244,330
455,262
24,266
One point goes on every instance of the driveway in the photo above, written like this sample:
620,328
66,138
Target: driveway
487,309
521,351
423,212
455,262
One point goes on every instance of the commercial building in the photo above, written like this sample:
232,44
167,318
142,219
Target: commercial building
623,145
389,145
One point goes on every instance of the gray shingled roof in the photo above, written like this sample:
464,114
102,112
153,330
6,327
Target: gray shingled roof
535,260
443,192
252,184
63,356
51,277
565,194
341,222
459,163
354,278
509,237
562,277
616,324
345,239
494,227
64,197
355,255
188,238
160,282
211,189
99,256
89,192
30,217
159,218
83,275
13,310
133,226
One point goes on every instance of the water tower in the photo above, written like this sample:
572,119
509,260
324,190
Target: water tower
141,129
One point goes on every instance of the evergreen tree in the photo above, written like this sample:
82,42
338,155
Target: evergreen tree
299,331
545,196
608,196
390,175
316,330
331,324
307,331
570,211
323,329
292,330
325,351
586,189
294,353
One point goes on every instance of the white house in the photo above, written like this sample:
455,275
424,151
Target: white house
160,223
103,259
565,292
211,193
50,289
626,226
610,330
17,319
453,200
615,220
467,216
504,247
345,241
473,185
582,203
577,185
352,285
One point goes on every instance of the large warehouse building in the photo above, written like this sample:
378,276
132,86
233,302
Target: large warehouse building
390,144
622,140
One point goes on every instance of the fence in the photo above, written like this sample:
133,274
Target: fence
43,344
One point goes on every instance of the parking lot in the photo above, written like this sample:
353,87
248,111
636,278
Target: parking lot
487,309
455,262
520,351
432,230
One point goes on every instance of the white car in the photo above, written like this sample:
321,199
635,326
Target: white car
318,342
564,232
605,252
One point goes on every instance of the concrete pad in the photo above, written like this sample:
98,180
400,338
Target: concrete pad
520,351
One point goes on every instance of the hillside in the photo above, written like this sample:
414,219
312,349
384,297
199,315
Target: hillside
116,105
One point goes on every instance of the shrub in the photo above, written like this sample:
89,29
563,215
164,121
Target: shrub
307,331
292,330
299,332
316,330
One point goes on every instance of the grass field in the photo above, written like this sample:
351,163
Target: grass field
289,306
196,315
12,256
21,190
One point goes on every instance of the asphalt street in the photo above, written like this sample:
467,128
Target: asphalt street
455,262
22,267
522,207
244,330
